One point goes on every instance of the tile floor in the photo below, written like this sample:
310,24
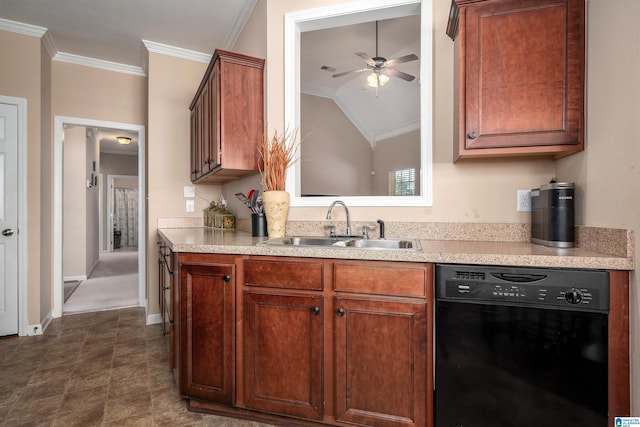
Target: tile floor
104,368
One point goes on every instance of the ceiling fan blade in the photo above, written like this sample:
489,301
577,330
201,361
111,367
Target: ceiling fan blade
367,58
399,74
400,60
349,72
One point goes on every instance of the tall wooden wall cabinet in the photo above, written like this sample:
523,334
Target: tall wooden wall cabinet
227,119
520,67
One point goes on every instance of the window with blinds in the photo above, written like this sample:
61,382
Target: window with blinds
402,182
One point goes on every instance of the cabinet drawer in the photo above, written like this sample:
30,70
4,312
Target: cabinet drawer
382,278
287,274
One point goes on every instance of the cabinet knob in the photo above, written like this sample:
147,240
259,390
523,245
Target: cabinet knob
315,310
340,312
472,134
226,278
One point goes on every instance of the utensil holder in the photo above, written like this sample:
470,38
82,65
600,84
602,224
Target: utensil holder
259,225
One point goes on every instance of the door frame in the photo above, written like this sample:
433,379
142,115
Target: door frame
23,320
58,287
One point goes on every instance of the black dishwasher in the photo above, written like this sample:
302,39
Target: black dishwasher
520,347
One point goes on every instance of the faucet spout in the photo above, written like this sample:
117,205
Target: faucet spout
340,202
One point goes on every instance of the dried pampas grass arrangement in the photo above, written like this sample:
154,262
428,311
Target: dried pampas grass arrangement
277,154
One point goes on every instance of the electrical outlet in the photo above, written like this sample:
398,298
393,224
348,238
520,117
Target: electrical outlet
191,205
523,201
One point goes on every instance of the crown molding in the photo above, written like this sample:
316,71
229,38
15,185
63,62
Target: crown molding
240,23
20,28
49,44
99,63
177,52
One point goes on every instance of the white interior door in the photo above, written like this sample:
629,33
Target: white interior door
8,219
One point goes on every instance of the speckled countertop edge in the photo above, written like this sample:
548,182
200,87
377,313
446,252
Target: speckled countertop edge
600,248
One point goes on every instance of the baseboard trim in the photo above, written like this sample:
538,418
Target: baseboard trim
75,278
154,319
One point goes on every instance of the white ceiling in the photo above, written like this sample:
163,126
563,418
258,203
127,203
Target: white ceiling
114,30
392,109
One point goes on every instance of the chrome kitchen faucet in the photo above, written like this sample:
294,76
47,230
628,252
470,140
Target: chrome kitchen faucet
340,202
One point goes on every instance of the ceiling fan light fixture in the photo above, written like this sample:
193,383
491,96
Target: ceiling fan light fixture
377,79
124,140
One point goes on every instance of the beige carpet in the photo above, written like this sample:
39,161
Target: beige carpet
69,287
113,284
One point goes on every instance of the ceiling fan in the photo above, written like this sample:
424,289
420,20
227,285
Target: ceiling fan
380,67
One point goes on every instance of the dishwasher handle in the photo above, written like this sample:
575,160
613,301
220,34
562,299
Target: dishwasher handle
519,278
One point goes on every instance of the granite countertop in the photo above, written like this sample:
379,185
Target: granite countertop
434,250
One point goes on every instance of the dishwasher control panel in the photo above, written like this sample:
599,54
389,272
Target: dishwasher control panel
577,289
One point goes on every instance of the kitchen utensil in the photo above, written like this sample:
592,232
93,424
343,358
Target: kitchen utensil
244,199
254,199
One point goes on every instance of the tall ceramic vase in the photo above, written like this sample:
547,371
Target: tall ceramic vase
276,208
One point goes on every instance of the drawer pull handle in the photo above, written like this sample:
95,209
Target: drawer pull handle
340,312
315,310
226,278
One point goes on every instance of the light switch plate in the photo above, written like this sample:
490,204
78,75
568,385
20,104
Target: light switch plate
191,205
189,191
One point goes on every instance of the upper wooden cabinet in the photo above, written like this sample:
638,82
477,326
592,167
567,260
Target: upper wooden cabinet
520,68
227,119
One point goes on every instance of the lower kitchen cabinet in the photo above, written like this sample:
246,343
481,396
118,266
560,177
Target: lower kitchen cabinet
309,340
206,327
380,362
283,348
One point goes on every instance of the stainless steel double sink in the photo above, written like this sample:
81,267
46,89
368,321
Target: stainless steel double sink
346,242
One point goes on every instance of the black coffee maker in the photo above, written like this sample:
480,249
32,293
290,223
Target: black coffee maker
552,214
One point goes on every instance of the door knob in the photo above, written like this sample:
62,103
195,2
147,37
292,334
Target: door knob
7,232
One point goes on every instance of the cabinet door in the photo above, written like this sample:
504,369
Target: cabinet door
214,120
283,345
205,129
381,362
524,77
207,331
196,155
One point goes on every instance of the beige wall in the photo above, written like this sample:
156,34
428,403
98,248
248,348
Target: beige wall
46,215
92,212
399,152
607,173
336,159
80,204
20,77
168,153
74,224
90,93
